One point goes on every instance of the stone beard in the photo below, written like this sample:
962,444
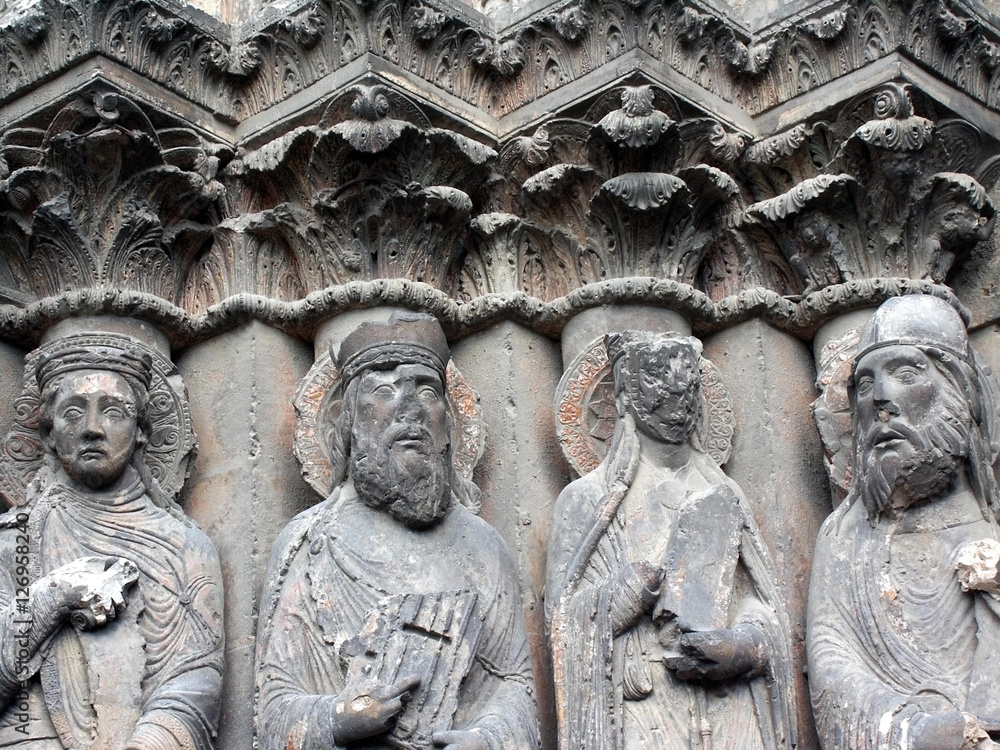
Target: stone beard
411,484
924,460
902,649
360,584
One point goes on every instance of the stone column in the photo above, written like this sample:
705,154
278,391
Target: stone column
778,461
522,470
11,381
245,485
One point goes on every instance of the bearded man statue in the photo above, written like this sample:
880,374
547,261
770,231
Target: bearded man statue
666,625
903,619
392,613
110,597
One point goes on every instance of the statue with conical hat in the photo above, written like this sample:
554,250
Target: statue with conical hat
904,617
666,624
111,633
392,614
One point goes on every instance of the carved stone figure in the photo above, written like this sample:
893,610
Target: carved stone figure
392,613
111,631
666,625
903,622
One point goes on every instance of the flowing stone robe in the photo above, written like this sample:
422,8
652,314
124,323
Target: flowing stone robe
613,690
891,633
331,566
154,674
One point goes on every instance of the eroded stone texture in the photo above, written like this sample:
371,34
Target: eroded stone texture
522,471
245,483
392,614
659,581
902,637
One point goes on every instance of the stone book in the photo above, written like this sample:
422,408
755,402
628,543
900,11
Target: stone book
700,563
434,636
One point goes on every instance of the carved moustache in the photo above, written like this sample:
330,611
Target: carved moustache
938,446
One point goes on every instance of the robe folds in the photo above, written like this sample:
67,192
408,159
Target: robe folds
151,677
332,566
613,689
891,634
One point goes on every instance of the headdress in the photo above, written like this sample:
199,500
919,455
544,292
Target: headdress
129,361
407,338
916,320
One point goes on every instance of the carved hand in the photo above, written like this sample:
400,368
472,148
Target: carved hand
91,590
370,710
718,654
940,730
465,739
634,590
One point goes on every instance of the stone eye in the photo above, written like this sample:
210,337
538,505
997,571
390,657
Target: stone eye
864,385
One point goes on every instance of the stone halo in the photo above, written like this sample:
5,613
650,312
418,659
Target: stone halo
585,410
317,405
172,443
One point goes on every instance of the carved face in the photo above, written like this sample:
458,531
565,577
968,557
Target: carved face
900,168
94,426
812,228
400,452
960,222
663,390
913,427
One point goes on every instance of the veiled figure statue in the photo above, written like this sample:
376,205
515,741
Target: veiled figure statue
666,624
392,613
111,634
904,618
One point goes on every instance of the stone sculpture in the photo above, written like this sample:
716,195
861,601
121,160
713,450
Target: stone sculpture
392,613
665,621
110,597
903,620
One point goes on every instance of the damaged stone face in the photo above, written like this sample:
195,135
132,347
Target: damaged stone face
656,566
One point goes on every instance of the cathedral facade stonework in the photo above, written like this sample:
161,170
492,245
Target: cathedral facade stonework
446,374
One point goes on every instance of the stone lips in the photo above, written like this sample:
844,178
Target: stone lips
172,444
585,411
317,405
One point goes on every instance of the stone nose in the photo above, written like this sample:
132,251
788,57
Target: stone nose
884,398
409,407
94,424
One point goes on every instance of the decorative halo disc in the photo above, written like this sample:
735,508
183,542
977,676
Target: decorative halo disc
172,442
317,404
586,414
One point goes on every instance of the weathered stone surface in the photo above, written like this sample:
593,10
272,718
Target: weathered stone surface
777,457
392,614
659,583
118,595
901,591
522,470
245,484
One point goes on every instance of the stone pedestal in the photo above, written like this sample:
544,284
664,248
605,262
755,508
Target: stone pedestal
522,471
245,485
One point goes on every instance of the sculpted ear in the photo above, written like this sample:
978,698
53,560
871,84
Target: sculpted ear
141,434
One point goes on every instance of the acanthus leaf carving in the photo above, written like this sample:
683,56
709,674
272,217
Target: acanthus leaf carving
571,23
502,57
99,202
307,27
427,22
240,61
